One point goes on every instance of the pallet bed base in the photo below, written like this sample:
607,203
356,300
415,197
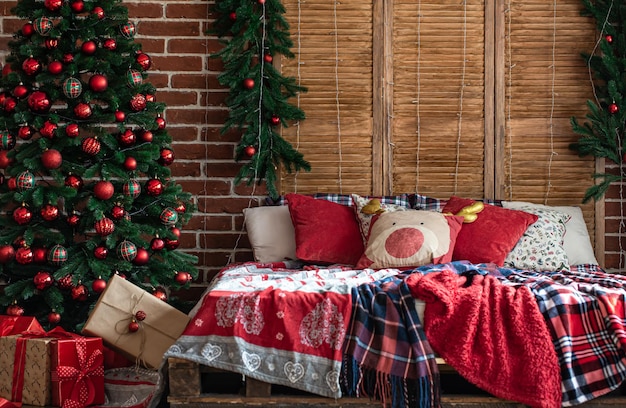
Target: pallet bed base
192,385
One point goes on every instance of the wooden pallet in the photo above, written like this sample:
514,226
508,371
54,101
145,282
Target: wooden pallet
192,385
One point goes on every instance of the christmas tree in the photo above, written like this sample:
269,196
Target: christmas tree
253,33
603,132
86,191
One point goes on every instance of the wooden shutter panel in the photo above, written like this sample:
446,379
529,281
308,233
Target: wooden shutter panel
542,53
336,137
439,97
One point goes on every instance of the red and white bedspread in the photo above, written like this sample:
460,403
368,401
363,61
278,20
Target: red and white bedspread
279,325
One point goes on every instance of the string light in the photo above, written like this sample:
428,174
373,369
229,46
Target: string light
552,101
299,76
460,114
337,95
418,100
508,136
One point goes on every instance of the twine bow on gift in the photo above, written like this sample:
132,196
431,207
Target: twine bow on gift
83,392
134,317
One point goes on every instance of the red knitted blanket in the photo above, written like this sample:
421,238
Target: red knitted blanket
492,334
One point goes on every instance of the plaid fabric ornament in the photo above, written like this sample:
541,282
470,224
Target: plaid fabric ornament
128,30
57,255
169,216
127,250
43,25
25,181
7,140
132,188
72,88
134,78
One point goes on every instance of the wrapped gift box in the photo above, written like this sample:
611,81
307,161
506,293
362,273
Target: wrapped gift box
118,307
25,369
77,370
10,325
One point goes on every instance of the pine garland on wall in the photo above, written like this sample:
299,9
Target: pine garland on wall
253,33
603,132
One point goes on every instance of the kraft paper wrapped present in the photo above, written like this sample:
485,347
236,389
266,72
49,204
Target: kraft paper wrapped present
77,370
10,325
122,303
25,369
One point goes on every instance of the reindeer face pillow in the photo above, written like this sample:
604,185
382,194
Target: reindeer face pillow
410,238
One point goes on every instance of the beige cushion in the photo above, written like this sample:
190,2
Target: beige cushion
271,233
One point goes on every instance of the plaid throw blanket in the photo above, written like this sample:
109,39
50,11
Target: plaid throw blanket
387,356
585,312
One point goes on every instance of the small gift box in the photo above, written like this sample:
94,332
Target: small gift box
135,323
77,370
10,325
25,369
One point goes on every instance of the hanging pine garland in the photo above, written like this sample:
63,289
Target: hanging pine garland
602,134
258,99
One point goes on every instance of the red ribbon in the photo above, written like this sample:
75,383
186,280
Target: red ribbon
20,362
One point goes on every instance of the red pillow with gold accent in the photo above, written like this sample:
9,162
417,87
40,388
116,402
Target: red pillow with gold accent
326,232
492,235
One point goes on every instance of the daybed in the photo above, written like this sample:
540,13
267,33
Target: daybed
356,296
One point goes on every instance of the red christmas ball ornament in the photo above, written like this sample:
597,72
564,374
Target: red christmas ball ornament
80,293
42,25
51,43
127,138
51,159
144,61
268,58
73,219
53,5
25,132
160,294
15,310
157,244
82,110
608,38
261,2
104,226
22,215
57,255
5,161
166,157
98,83
140,316
128,29
133,326
54,317
120,116
150,98
25,180
78,6
48,129
248,83
103,190
31,66
249,151
40,255
7,253
20,91
24,255
49,212
7,140
154,187
232,16
181,208
100,252
137,102
74,181
146,136
9,104
98,11
89,47
11,182
65,282
169,216
175,231
55,67
39,102
99,285
91,146
117,212
19,242
68,58
161,123
613,108
72,130
171,244
42,280
142,257
27,30
132,188
275,120
110,44
130,163
182,277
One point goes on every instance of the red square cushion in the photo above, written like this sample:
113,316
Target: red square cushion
492,235
326,232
